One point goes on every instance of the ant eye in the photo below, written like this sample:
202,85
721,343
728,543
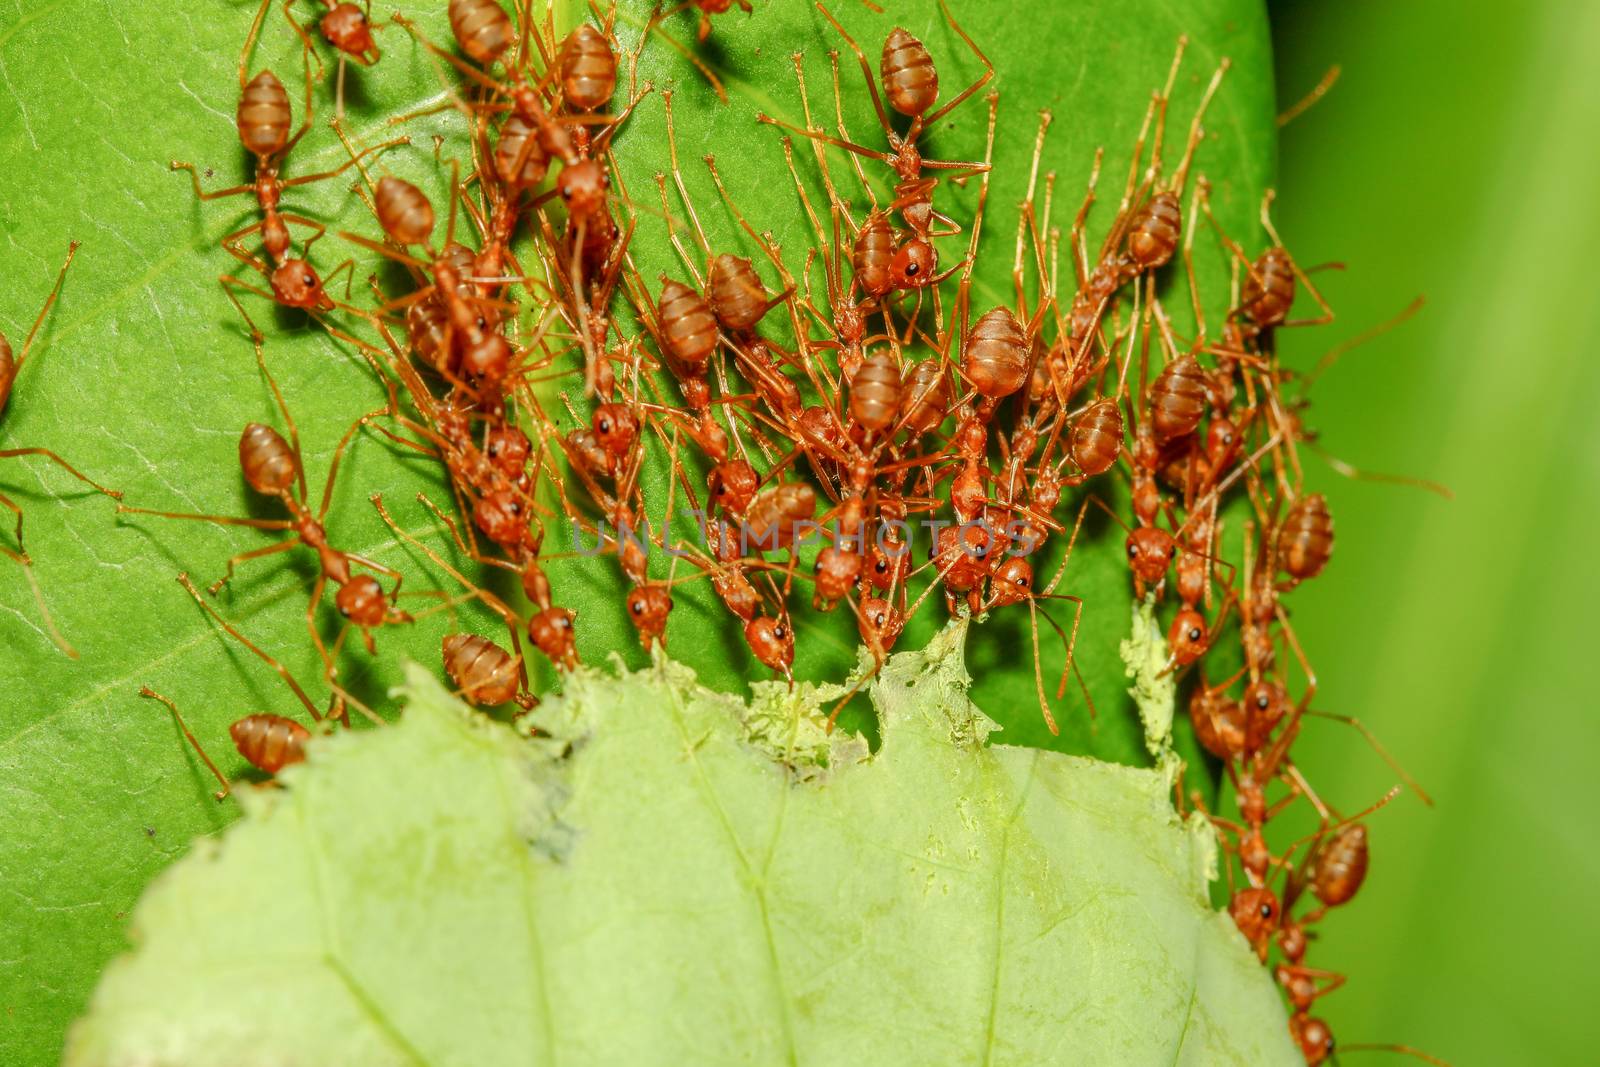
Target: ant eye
779,632
604,426
638,607
913,270
878,620
1266,911
311,279
1133,551
1195,633
881,566
669,603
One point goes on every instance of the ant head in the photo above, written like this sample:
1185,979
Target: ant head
1313,1036
836,570
880,623
1187,637
732,485
508,449
486,359
1150,552
552,631
890,566
1255,912
615,428
295,284
1013,582
583,187
1265,703
362,601
913,265
1222,439
500,516
696,393
347,29
771,641
648,607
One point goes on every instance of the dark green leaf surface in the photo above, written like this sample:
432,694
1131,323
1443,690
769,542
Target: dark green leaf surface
144,378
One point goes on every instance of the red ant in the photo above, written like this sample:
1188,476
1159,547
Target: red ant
273,467
264,119
345,26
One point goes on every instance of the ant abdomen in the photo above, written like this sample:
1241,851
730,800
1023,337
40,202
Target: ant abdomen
404,211
270,742
485,673
1097,437
269,464
996,357
1268,292
519,159
1340,865
689,329
1178,398
875,391
873,254
588,69
482,28
736,294
924,397
910,80
1305,542
1155,232
264,117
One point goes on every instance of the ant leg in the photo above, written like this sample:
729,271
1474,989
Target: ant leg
49,302
347,164
1383,753
278,668
229,284
983,79
9,504
194,175
114,494
283,408
309,51
866,72
1196,133
250,42
338,457
146,691
26,564
244,557
220,520
677,175
683,50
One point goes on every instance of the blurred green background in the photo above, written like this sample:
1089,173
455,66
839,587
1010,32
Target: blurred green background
1457,158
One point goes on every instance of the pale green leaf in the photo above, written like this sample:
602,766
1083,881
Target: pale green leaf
643,885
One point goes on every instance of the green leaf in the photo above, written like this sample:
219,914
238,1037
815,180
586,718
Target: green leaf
643,885
143,378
